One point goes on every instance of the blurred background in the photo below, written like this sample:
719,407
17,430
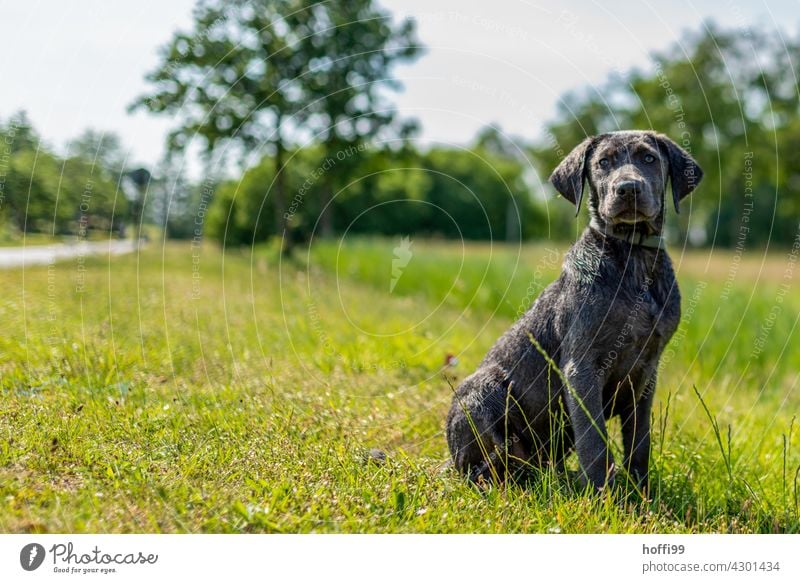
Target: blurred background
283,121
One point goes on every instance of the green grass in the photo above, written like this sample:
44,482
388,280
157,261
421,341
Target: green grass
237,393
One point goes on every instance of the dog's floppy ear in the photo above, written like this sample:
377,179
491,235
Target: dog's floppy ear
568,178
684,172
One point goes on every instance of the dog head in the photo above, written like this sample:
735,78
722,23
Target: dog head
627,174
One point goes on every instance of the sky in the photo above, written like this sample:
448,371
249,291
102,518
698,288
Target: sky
79,64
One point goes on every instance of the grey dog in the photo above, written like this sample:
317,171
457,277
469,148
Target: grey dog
588,348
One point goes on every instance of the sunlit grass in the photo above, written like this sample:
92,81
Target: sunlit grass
239,393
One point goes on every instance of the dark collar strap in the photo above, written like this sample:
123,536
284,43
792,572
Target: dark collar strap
633,238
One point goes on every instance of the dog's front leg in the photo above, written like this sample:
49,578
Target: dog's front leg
585,406
636,434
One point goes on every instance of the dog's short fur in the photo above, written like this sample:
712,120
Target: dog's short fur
603,323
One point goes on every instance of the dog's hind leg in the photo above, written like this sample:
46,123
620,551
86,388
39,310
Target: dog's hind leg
483,438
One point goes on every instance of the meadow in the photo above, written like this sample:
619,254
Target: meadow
183,389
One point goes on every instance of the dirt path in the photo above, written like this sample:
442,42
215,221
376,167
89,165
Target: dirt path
44,254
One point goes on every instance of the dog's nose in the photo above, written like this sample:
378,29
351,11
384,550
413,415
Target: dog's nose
629,188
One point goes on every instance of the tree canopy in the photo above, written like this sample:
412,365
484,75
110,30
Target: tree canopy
730,98
41,191
472,193
257,73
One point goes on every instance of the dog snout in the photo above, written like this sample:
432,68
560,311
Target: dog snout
630,188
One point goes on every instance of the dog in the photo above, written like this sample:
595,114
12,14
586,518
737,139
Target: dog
589,346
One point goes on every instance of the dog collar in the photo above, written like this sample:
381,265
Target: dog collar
632,238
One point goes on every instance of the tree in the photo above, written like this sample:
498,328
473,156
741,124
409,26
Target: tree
725,96
233,80
251,71
174,201
353,48
472,190
492,140
446,192
43,192
104,149
234,216
96,167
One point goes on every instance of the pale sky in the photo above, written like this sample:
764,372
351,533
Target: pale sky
78,64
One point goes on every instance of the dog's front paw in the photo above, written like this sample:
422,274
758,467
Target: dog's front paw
601,479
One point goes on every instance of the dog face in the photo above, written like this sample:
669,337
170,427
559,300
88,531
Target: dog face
627,174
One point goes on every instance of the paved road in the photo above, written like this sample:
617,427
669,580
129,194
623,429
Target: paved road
44,254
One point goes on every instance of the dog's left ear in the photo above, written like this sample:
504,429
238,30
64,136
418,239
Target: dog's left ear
684,172
568,178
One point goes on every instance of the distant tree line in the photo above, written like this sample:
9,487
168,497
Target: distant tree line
73,193
299,139
730,97
470,193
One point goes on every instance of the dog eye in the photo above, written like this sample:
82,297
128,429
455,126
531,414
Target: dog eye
603,162
649,159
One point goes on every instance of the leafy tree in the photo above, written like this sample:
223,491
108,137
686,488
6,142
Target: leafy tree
444,192
233,80
104,149
94,170
725,96
19,134
250,72
42,192
353,48
241,210
474,188
388,194
175,204
32,186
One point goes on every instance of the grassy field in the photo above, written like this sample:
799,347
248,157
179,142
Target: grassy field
183,390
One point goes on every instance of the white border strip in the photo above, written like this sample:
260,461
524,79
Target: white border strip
380,558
